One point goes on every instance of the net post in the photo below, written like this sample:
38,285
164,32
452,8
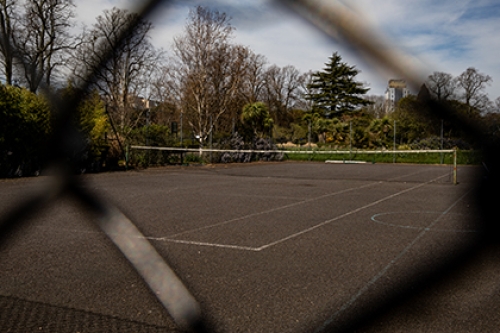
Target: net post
455,166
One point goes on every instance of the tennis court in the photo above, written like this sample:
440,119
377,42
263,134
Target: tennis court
264,247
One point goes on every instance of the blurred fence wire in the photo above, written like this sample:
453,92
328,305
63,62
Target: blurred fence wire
339,22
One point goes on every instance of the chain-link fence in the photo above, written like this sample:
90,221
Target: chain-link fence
335,20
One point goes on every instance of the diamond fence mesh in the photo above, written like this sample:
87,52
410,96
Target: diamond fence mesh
337,21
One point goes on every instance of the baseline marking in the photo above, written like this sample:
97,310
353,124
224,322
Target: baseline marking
170,237
82,231
233,247
268,211
266,246
389,266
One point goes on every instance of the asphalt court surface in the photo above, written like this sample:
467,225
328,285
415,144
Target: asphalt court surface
267,247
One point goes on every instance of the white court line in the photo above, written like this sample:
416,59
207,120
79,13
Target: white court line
386,268
167,239
412,174
268,211
408,175
234,247
257,249
82,231
285,207
347,214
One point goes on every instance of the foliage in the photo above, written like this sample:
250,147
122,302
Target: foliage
92,123
256,119
435,142
295,133
298,134
126,74
492,123
410,122
463,157
331,131
208,81
415,120
24,130
151,135
380,133
334,90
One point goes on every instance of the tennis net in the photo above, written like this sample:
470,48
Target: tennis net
149,155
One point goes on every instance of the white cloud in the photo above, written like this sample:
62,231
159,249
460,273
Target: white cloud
87,10
447,35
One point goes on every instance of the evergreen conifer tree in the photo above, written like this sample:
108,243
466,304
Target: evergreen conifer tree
334,91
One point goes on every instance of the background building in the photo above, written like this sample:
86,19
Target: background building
395,91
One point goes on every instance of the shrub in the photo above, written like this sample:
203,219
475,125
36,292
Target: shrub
24,131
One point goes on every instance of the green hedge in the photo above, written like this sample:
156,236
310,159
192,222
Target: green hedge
463,157
24,131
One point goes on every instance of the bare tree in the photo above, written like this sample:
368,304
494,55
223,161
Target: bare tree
44,39
163,87
242,62
124,80
497,105
473,85
442,85
209,70
378,107
305,89
8,26
165,95
255,81
283,87
249,88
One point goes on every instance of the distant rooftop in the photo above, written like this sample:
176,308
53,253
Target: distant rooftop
397,84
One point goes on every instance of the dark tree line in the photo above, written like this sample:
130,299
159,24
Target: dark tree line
208,86
464,95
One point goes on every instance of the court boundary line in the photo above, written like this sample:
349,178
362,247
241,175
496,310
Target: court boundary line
226,246
297,234
411,227
293,204
382,272
279,241
271,210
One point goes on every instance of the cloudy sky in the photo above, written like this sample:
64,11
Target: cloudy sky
446,35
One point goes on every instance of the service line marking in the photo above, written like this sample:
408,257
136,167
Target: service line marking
297,234
170,239
267,211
